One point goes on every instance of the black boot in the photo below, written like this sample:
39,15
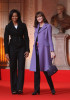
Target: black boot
14,92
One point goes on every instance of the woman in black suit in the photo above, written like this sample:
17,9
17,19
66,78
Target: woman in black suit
16,49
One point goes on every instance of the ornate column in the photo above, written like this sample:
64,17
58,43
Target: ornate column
29,16
60,50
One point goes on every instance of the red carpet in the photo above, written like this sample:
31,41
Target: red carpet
60,76
61,82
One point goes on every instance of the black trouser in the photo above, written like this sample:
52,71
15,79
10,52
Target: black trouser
17,58
37,76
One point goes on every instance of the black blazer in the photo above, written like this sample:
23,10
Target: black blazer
14,33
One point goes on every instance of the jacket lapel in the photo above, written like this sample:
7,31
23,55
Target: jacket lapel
43,27
19,25
12,26
36,30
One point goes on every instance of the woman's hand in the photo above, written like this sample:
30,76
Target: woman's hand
53,55
26,54
7,56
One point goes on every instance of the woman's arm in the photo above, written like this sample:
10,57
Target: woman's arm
50,38
26,38
50,41
6,42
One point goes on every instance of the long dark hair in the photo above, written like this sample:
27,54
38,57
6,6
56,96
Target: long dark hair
14,11
44,18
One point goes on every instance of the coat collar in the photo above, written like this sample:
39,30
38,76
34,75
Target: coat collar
43,27
12,25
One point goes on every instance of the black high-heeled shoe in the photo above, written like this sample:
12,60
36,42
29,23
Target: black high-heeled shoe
53,91
36,92
14,92
20,92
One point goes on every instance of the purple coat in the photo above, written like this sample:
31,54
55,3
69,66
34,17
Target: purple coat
45,46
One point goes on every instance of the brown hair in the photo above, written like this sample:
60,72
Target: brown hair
44,18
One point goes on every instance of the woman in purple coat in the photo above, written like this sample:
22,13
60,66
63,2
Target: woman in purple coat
43,52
